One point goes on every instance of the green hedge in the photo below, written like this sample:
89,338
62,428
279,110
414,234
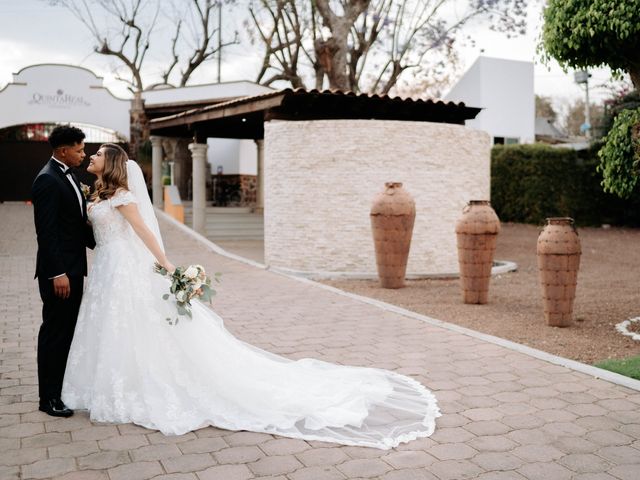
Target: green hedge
532,182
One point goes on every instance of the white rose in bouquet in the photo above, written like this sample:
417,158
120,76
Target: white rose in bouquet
191,272
186,284
201,273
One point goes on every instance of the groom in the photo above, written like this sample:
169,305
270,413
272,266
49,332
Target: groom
60,214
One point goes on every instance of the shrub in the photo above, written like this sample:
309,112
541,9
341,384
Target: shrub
620,154
532,182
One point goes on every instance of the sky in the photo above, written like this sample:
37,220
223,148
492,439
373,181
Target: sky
34,32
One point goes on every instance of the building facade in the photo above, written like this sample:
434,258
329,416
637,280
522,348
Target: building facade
41,96
504,90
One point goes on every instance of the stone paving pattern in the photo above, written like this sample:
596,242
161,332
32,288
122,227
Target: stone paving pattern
505,415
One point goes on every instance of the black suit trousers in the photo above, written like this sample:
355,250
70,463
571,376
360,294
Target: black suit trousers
56,332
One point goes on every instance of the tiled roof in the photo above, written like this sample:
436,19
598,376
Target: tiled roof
301,104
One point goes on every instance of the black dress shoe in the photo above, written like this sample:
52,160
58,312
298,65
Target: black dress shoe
55,408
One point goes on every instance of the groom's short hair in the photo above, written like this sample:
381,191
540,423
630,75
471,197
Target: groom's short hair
65,135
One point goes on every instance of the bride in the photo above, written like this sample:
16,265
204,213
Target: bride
127,364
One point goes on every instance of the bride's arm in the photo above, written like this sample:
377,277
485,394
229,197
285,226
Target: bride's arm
132,215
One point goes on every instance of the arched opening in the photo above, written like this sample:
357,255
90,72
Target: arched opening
24,149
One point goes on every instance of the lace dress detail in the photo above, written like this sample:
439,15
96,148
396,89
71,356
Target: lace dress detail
108,224
127,364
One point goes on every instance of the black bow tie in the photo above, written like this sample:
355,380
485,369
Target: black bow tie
70,173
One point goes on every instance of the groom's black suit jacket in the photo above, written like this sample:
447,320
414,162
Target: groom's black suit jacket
63,235
62,228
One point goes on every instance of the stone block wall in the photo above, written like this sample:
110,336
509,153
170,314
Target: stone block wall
321,176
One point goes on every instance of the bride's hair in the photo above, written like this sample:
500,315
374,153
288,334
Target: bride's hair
114,176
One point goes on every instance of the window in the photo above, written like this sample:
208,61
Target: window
505,140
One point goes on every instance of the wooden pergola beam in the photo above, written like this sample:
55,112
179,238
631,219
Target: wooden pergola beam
204,115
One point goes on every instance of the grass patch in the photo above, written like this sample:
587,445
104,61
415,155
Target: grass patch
629,367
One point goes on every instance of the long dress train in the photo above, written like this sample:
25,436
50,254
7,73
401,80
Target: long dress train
127,364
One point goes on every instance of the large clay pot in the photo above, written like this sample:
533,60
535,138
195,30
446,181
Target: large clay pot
392,215
558,262
476,232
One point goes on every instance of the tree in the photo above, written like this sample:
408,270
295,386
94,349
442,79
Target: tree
622,99
575,118
545,109
581,34
428,84
124,29
620,155
367,45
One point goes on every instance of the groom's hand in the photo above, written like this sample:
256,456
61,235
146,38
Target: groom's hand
61,287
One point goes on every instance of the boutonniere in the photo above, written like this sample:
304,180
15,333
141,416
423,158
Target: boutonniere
86,190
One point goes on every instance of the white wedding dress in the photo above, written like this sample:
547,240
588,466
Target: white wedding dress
127,364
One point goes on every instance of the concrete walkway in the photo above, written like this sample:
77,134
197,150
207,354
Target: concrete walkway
506,415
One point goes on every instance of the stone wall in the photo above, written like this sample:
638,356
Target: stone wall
321,176
233,190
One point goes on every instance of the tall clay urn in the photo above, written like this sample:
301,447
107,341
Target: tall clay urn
558,262
392,215
476,232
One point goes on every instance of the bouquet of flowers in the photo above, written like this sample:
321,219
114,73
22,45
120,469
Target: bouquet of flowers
186,284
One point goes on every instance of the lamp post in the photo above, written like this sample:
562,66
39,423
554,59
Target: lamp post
219,39
582,77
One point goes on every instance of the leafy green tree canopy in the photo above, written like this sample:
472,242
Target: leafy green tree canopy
620,154
593,33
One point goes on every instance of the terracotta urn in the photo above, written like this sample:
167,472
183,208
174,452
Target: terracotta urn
476,232
392,216
558,263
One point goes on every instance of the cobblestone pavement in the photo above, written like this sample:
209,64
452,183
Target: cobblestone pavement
506,415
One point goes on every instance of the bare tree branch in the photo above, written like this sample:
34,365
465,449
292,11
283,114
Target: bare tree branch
174,53
137,20
370,44
283,41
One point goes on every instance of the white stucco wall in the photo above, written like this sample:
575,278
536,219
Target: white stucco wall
504,89
62,93
248,158
223,152
321,176
235,156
